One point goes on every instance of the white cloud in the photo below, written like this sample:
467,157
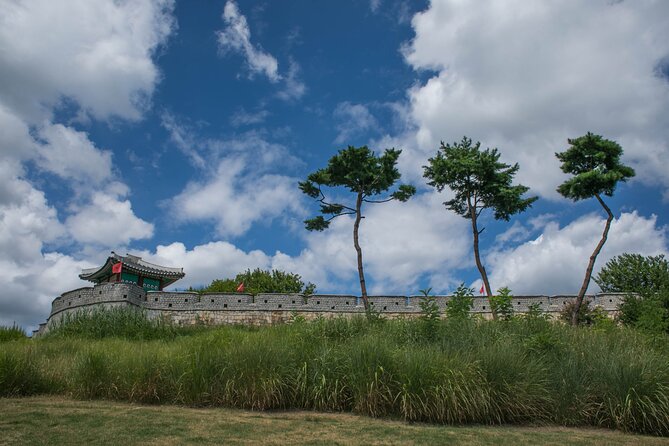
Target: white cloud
29,288
26,220
236,37
205,153
293,88
555,261
353,121
237,196
374,5
71,155
404,245
184,139
98,54
243,117
525,77
204,263
108,220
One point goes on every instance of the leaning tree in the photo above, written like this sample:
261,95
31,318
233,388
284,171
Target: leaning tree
359,170
479,181
595,165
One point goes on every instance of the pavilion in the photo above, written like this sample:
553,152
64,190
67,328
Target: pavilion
132,269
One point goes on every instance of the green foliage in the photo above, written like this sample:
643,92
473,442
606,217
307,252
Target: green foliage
501,304
648,277
11,333
634,273
595,165
359,170
430,314
483,372
461,303
653,315
478,179
534,312
586,314
119,322
362,172
262,281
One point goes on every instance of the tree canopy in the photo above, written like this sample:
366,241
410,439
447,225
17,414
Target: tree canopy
360,171
595,165
478,179
645,275
262,281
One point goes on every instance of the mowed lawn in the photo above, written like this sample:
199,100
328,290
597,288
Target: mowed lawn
60,421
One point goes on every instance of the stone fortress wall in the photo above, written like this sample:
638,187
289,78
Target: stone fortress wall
186,308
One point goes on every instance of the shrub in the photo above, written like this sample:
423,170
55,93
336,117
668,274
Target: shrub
461,303
501,304
586,316
430,314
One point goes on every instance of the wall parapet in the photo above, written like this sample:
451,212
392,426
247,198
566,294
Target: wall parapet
189,307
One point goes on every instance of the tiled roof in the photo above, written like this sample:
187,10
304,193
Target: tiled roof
135,264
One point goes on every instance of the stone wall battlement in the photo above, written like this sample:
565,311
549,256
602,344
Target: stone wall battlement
221,308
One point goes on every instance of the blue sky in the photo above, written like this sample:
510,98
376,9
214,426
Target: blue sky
178,131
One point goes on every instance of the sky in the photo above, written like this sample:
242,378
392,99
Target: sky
178,131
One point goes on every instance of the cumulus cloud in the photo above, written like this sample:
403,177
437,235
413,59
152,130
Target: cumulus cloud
26,221
108,220
29,288
555,261
525,77
236,197
71,155
406,249
98,54
406,246
95,58
236,37
204,263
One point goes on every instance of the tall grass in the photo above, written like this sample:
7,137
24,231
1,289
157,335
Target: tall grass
11,333
517,371
122,322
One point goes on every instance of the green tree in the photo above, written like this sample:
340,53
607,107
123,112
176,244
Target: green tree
646,277
634,273
479,181
595,165
360,171
262,281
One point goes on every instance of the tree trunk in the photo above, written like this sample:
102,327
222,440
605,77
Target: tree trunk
591,264
477,257
356,243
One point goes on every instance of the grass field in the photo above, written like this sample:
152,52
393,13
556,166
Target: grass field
58,421
451,372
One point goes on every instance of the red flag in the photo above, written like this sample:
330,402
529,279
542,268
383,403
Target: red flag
240,288
482,290
116,268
